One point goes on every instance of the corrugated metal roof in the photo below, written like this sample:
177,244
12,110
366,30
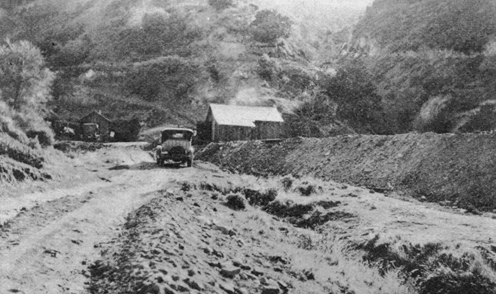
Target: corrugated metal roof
245,116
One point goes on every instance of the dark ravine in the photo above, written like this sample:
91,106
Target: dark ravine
456,169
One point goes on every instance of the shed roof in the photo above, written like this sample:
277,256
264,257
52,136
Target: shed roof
245,116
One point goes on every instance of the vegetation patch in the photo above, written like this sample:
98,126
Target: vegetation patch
288,209
24,91
434,267
13,172
236,202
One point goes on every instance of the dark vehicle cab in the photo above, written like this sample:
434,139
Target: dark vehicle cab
175,145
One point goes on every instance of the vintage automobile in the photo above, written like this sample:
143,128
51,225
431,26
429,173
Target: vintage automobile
175,146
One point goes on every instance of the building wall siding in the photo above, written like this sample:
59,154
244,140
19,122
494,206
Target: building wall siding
263,130
269,130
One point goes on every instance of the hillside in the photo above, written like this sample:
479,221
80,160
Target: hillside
332,67
461,25
166,59
433,62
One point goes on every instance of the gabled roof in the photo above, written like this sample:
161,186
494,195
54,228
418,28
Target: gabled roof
245,116
95,112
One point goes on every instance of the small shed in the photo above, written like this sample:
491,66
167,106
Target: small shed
239,123
95,126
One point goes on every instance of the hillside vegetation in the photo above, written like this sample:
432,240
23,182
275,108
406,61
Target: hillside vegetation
24,92
433,62
166,59
331,67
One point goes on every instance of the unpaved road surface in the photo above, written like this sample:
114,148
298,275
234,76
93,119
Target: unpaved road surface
145,229
45,248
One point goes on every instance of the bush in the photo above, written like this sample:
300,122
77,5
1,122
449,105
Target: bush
287,182
256,197
236,202
19,152
44,136
9,127
269,25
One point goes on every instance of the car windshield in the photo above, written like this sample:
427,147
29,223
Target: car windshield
176,135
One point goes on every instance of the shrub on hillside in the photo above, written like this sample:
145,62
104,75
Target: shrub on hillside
269,25
236,202
8,125
20,152
260,198
14,143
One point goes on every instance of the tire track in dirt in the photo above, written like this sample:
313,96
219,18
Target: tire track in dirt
47,249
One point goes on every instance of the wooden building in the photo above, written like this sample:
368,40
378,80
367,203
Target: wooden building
96,127
239,123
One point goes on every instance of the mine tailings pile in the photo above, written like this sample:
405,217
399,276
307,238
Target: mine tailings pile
457,170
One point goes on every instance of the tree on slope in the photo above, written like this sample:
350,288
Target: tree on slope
25,86
24,79
269,25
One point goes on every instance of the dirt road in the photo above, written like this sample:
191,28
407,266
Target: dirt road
44,249
90,238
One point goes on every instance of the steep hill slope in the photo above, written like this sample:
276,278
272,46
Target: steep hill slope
433,62
460,25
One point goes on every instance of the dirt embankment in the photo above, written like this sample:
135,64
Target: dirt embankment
455,169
